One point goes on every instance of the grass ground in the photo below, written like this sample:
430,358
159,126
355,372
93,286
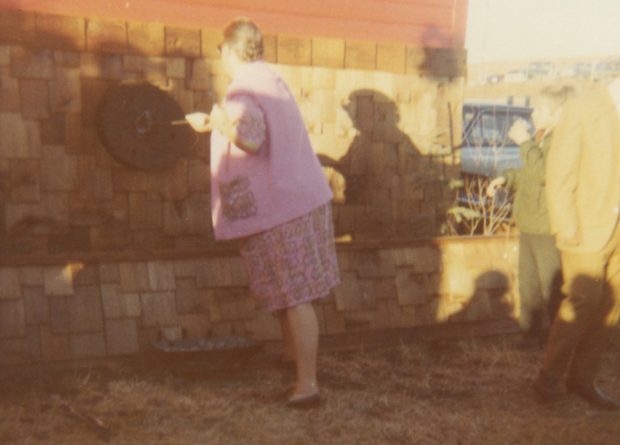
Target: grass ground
473,391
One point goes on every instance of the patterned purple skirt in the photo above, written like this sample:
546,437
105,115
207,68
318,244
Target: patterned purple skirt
294,262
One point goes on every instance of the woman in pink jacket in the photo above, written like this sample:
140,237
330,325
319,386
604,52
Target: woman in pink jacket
269,191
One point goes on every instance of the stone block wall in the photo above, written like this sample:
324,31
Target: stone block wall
111,307
379,116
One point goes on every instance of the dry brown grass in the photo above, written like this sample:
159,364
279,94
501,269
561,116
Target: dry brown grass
473,391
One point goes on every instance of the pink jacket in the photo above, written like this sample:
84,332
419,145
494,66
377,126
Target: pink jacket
253,192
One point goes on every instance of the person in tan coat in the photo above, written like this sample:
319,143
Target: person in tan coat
583,196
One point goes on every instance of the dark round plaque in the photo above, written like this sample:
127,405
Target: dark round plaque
142,126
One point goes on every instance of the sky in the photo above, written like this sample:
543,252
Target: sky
542,29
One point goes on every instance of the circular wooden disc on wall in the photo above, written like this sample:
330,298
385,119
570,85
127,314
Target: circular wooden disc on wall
142,126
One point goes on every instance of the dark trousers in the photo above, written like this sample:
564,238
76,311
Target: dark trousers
540,282
587,316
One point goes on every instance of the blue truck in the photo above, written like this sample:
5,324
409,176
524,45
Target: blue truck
486,148
486,151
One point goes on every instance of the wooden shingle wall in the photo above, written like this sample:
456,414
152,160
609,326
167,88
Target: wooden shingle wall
110,308
97,259
378,116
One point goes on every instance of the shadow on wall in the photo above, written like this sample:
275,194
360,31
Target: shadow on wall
392,184
61,190
384,178
433,286
451,295
490,300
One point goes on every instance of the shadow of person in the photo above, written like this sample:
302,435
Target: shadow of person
585,324
491,292
490,306
384,175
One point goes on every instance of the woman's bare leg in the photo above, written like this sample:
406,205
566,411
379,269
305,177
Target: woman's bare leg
288,347
304,330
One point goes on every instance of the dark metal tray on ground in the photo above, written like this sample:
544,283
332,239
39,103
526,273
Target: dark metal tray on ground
225,348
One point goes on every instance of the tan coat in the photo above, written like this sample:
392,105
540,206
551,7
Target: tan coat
583,171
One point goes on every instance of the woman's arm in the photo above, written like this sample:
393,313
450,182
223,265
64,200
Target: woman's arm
241,121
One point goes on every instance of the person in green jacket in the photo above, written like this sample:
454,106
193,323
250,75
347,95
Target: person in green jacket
539,275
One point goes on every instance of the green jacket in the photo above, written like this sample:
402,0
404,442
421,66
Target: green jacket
530,206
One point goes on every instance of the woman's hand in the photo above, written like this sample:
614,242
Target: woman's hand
219,120
519,132
494,185
200,122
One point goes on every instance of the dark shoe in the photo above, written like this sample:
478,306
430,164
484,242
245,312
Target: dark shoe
546,390
307,402
591,394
